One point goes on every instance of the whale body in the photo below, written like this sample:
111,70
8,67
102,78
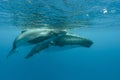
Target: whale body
61,41
72,40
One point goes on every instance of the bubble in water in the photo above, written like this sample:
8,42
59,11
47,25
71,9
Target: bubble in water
104,11
87,15
113,11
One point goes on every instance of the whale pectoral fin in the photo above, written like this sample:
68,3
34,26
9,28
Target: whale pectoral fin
37,49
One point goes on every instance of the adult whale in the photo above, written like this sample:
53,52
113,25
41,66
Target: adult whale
34,36
61,41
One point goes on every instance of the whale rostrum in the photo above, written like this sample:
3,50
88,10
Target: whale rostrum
45,38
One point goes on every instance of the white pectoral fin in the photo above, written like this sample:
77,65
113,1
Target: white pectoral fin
37,49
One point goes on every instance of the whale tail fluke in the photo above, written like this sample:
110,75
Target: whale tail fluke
12,51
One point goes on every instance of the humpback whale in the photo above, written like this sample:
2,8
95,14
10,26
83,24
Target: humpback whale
70,39
34,36
61,41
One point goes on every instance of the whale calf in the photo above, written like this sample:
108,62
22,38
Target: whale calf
34,36
61,41
71,39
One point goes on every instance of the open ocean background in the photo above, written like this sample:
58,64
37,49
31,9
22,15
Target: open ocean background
98,20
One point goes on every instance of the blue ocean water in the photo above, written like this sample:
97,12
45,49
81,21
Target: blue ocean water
93,19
